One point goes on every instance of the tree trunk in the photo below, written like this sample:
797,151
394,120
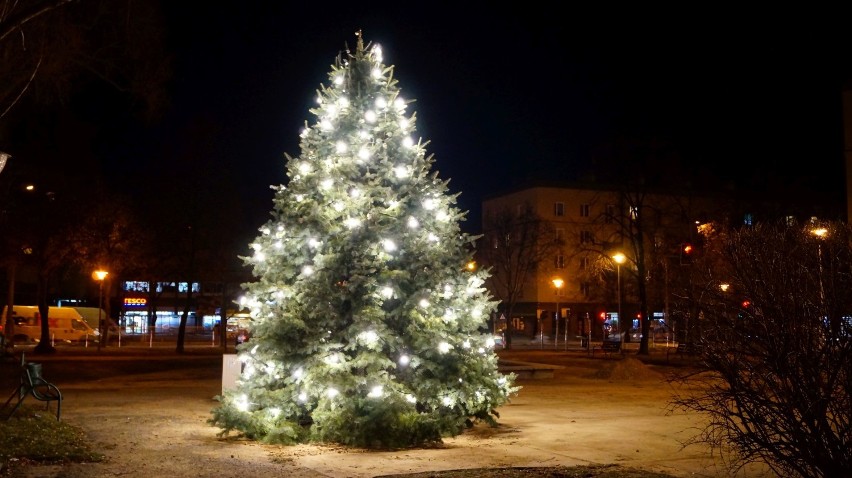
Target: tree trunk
223,319
44,346
183,319
645,325
9,330
510,331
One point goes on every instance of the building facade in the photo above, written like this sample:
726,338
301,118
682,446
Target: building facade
157,306
576,288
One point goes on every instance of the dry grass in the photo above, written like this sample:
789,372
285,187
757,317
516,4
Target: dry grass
33,435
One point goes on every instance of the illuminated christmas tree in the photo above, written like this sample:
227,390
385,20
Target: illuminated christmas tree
368,328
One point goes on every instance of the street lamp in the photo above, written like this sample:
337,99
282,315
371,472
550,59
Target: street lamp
820,233
619,259
557,283
100,275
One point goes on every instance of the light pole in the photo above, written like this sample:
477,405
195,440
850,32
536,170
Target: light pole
557,283
619,259
820,232
725,287
100,275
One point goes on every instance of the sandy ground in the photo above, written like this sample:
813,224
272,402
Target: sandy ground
149,414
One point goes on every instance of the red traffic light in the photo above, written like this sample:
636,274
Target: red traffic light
686,250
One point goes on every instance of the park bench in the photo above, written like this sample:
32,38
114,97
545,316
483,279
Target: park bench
682,349
608,347
33,384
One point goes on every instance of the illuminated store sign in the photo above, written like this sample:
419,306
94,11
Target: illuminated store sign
135,302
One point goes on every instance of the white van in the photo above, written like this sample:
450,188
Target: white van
65,324
92,314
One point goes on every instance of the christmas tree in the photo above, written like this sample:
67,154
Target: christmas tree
368,328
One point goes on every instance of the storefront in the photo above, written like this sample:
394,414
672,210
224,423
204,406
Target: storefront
165,314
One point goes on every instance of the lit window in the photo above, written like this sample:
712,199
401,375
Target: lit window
136,286
183,286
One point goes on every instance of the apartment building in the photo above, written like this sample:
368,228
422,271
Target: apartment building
581,229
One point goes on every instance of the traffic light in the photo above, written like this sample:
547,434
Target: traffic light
686,251
744,311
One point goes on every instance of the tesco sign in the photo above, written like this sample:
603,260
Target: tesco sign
135,302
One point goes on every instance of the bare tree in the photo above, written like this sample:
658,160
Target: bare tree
646,216
51,253
635,230
514,246
639,226
775,315
195,219
47,46
50,50
108,237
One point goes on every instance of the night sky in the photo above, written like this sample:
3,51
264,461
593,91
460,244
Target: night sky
507,93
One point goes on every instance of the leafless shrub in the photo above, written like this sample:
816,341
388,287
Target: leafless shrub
776,345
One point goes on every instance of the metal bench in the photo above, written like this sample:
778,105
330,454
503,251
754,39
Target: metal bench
33,384
608,347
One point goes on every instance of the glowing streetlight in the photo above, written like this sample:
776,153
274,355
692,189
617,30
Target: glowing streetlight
557,283
99,276
619,259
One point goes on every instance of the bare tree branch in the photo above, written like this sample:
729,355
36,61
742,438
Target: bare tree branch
66,45
12,20
777,344
515,246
